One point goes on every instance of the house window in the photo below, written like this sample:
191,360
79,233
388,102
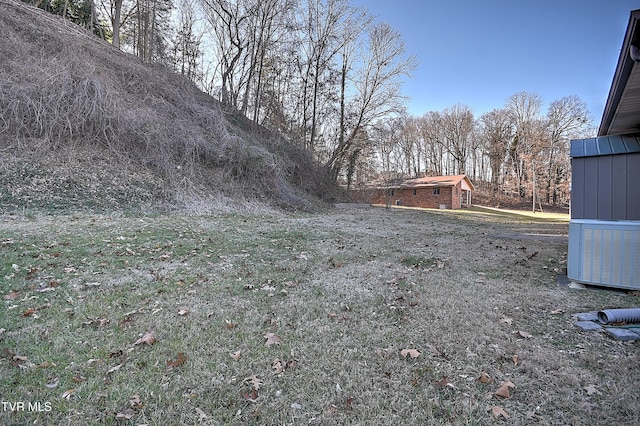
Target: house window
415,192
436,191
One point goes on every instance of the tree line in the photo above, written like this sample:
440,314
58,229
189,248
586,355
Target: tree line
328,76
516,150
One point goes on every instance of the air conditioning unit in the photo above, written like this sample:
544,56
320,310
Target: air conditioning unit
604,253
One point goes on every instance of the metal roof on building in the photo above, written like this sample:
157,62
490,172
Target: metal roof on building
438,181
605,145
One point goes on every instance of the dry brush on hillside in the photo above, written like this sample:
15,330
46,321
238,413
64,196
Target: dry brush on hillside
66,97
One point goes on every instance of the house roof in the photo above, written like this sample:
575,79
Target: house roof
438,181
622,111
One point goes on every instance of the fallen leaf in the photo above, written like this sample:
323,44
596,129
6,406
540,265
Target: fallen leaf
436,351
114,369
254,381
251,397
126,413
28,312
557,311
506,320
183,312
68,393
12,295
135,402
277,366
413,353
52,383
147,339
229,324
349,403
444,382
522,334
484,378
503,390
46,364
516,359
236,355
182,358
272,339
498,412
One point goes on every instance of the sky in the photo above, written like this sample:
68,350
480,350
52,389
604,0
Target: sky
480,52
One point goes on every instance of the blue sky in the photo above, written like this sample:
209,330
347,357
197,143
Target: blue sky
480,52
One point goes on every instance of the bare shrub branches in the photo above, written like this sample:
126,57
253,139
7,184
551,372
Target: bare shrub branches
73,92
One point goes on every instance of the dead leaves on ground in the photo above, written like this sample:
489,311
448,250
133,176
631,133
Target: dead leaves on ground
498,412
12,295
68,394
413,353
147,339
503,391
522,334
485,378
129,411
279,366
272,339
180,360
254,382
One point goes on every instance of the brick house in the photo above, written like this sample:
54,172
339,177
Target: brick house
434,192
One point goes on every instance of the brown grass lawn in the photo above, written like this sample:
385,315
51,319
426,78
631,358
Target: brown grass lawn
355,316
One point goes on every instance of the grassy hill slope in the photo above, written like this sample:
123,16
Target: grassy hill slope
86,126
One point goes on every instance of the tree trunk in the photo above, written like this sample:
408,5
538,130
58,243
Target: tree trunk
115,23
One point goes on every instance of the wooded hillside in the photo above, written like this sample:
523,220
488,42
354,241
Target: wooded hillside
84,124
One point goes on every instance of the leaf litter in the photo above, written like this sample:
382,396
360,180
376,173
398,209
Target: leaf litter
491,347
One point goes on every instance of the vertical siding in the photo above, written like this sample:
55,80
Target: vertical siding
577,188
590,188
604,187
632,190
619,182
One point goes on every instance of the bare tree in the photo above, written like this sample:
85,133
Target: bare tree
431,129
187,40
229,22
524,112
497,134
377,87
458,124
567,118
325,30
